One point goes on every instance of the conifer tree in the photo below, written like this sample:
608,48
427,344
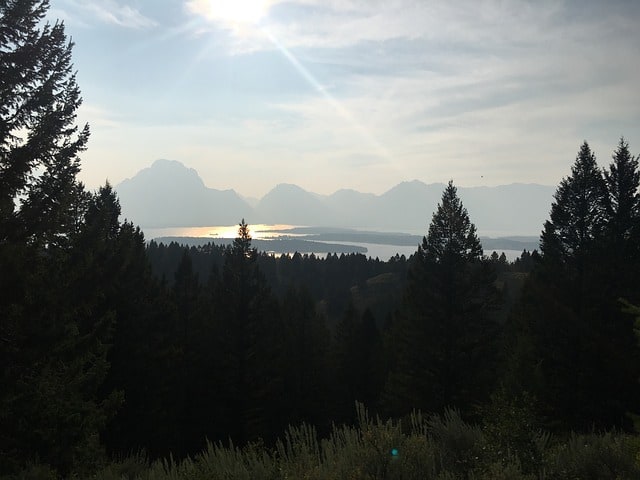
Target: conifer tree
54,328
442,337
306,370
623,228
39,141
252,343
623,181
358,363
56,356
575,231
581,345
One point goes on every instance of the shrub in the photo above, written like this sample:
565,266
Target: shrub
596,457
459,446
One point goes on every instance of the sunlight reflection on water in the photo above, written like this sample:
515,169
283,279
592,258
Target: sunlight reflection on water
258,231
265,232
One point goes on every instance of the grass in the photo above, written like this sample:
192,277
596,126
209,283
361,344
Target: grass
427,448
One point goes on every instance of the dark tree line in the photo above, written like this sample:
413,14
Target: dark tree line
329,279
231,359
573,341
110,345
54,331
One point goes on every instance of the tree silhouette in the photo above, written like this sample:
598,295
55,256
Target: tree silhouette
623,228
251,344
54,236
442,337
579,340
39,141
577,222
306,368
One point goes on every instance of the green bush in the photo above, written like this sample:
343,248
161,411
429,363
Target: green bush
596,457
126,468
431,448
511,430
459,446
34,471
508,469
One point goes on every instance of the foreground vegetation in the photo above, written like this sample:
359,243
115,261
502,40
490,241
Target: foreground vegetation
418,447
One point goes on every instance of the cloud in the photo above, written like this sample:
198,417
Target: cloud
399,89
473,26
121,15
98,117
468,57
106,11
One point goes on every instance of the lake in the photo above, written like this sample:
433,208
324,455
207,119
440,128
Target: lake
382,245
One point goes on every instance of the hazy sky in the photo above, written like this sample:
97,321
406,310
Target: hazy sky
362,94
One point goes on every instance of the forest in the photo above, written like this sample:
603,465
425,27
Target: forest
123,358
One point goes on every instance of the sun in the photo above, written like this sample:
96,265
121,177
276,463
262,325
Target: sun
232,12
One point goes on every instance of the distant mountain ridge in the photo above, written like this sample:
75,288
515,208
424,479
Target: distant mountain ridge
168,194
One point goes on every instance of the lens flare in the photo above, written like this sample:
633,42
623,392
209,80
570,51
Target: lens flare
231,12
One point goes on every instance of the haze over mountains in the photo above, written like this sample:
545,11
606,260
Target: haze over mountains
168,194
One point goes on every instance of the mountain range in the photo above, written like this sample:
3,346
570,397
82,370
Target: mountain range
168,194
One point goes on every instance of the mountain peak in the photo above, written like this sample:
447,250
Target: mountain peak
287,187
164,173
413,186
170,194
164,163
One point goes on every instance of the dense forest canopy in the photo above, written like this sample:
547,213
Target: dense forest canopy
111,345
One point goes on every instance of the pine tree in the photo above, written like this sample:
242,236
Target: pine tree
577,224
56,357
54,328
306,368
358,363
253,368
623,181
443,335
39,141
582,346
623,228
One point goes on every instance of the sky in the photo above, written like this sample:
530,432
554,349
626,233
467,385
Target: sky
360,94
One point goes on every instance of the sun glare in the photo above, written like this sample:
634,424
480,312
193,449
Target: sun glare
234,12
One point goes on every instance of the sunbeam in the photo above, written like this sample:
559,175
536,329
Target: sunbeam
342,111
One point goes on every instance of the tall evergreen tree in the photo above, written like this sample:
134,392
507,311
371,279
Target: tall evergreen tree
623,181
56,355
442,338
358,359
54,327
583,348
144,354
192,385
623,228
574,233
39,141
306,370
252,380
